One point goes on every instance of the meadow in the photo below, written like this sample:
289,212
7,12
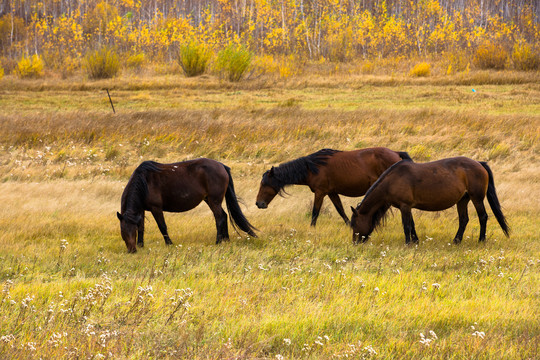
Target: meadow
70,290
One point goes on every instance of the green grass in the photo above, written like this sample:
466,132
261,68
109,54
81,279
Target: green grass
294,291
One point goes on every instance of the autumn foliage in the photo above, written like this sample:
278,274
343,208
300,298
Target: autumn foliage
336,31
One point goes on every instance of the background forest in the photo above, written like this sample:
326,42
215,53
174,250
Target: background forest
280,35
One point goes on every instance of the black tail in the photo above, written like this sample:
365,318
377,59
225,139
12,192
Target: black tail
494,201
235,213
404,155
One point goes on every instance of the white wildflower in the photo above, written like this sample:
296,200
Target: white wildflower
479,334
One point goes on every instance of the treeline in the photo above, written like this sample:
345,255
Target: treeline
62,31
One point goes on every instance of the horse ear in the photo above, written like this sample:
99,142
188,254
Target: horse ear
271,173
120,217
354,211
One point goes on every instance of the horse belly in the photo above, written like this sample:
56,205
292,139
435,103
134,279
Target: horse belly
355,188
182,202
438,201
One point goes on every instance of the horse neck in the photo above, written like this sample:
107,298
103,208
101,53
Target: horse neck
133,196
291,173
375,204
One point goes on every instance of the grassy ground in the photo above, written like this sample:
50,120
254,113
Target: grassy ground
70,290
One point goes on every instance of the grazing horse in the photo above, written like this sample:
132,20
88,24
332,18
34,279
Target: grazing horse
329,172
431,186
178,187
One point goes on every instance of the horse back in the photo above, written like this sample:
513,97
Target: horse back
351,173
436,185
183,185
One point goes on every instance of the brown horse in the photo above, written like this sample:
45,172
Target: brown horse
178,187
329,172
431,186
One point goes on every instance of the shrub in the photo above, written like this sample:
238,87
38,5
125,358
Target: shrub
457,61
1,72
525,58
368,67
421,70
234,61
265,64
102,64
135,61
490,56
29,67
69,66
193,58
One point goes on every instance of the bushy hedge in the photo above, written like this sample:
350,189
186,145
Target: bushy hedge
102,64
234,61
194,57
29,67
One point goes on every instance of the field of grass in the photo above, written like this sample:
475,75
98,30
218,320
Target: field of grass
70,290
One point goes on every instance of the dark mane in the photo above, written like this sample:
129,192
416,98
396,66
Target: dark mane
296,171
381,178
136,190
380,213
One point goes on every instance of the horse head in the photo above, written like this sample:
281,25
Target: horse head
128,228
269,188
361,225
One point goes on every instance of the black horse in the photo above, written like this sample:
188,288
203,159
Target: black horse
178,187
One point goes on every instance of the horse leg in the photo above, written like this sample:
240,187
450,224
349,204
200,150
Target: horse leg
317,203
463,217
407,220
160,220
482,216
140,234
414,237
221,220
339,207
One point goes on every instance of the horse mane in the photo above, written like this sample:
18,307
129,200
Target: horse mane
137,189
380,214
296,171
381,178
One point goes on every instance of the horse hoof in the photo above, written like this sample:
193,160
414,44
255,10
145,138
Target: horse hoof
140,245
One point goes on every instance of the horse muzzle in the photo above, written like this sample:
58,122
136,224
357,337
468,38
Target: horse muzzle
261,204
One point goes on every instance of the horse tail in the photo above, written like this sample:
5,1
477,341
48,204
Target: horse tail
238,219
404,155
494,201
